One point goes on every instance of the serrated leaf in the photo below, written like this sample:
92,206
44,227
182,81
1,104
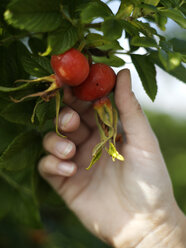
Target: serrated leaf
94,10
36,65
147,73
22,151
143,42
34,16
175,15
170,60
62,39
112,28
111,60
179,72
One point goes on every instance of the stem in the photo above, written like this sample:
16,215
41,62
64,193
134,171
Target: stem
93,25
14,184
66,16
82,45
58,100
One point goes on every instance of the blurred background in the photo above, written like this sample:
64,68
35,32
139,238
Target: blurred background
167,116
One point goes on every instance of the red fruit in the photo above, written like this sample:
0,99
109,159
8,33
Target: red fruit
98,84
71,67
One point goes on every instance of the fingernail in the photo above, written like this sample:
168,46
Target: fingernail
65,119
64,148
66,169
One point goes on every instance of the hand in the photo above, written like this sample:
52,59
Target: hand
126,204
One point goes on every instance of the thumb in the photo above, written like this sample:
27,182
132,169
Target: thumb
134,122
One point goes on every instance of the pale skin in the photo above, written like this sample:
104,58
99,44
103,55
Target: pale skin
126,204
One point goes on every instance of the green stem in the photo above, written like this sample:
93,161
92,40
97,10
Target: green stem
93,25
66,16
82,45
58,99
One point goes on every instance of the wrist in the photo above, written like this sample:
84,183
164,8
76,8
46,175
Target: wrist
160,230
167,235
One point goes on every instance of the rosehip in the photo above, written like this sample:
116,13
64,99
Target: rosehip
71,67
98,84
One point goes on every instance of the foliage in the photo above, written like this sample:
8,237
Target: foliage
30,32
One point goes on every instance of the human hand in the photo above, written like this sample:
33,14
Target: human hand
126,204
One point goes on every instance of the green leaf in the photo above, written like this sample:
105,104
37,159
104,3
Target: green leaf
144,28
166,45
99,41
26,211
94,10
129,27
152,2
175,15
170,3
178,45
161,20
62,39
36,65
8,131
143,42
34,16
19,113
10,63
170,60
147,73
112,28
179,72
111,60
125,9
22,151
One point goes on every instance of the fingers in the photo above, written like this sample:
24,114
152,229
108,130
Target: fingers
59,147
55,170
70,125
134,122
69,120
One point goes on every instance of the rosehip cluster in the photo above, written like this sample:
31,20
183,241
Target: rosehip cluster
89,82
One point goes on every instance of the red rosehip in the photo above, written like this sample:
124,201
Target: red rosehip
98,84
71,67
